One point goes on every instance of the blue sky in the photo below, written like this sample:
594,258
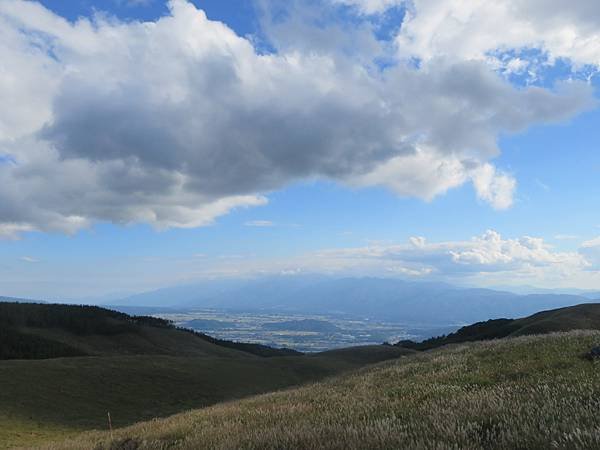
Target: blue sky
513,198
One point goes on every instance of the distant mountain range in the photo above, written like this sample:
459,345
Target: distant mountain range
377,298
19,300
527,290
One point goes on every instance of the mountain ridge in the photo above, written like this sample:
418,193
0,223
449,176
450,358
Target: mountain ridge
377,298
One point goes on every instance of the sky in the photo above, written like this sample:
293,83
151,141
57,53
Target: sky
149,143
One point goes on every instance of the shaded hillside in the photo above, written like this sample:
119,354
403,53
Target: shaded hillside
140,368
533,392
34,331
18,345
44,398
579,317
255,349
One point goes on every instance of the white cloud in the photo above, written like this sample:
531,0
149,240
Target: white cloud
135,2
13,230
565,237
485,255
475,30
29,259
259,223
233,256
178,121
494,187
400,270
591,250
542,185
370,6
486,260
424,174
592,243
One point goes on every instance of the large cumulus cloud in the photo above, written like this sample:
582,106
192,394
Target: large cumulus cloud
178,121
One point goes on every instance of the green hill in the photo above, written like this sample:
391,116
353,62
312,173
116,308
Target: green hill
580,317
364,354
524,392
532,392
136,368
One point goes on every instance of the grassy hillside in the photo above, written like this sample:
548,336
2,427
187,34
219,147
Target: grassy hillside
580,317
364,354
143,368
41,399
136,368
532,392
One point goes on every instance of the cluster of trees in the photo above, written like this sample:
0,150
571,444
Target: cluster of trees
17,318
81,320
17,345
76,319
480,331
255,349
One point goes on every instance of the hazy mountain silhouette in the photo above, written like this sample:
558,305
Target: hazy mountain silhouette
377,298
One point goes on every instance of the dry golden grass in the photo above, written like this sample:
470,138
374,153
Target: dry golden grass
532,392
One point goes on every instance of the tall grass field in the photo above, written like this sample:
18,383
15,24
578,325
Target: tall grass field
533,392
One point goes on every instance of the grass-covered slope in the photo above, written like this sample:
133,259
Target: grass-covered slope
45,399
579,317
364,354
136,368
534,392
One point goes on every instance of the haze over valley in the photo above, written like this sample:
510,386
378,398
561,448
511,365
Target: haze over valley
322,312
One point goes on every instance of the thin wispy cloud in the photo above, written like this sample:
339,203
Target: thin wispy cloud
542,185
489,253
29,259
486,259
134,3
566,237
260,223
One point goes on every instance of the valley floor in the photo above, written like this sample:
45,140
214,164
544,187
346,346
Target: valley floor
533,392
